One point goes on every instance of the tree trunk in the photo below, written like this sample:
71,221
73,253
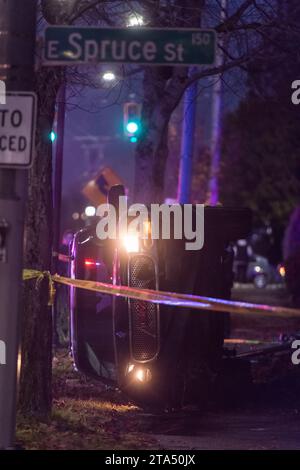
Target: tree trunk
35,381
152,150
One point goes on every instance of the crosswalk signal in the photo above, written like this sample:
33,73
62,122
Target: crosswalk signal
132,121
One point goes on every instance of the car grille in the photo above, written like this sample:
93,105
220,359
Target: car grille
144,316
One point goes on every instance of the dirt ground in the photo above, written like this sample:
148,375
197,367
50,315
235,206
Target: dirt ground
264,414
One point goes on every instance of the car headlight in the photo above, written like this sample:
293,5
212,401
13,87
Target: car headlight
139,374
131,243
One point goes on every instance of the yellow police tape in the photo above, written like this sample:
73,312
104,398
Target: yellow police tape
29,274
161,297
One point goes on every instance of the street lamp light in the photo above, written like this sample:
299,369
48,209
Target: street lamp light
135,20
90,211
109,76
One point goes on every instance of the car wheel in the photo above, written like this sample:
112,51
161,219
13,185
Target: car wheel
260,281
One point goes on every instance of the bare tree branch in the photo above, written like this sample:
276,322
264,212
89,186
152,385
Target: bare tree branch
232,21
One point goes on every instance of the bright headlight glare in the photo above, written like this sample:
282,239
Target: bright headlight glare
131,243
143,375
147,229
140,375
130,368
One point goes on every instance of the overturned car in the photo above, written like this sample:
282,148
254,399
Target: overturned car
159,355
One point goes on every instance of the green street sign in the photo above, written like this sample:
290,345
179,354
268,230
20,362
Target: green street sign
68,45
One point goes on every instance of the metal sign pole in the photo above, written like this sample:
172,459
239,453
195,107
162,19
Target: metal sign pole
17,44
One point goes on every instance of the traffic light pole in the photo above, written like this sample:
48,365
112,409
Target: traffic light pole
17,45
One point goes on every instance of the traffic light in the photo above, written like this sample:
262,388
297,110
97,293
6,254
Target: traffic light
132,121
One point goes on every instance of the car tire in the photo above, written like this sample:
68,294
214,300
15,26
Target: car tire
260,281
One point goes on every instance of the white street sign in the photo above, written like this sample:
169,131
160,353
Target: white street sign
17,130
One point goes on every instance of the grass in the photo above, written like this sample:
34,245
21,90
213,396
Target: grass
86,415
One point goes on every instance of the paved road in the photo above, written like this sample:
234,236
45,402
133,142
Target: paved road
236,430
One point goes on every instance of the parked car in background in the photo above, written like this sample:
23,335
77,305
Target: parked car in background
248,267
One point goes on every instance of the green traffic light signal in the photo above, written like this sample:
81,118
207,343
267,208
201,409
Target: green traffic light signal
132,127
52,136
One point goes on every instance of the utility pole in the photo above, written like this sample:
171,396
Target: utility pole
17,45
213,190
187,141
